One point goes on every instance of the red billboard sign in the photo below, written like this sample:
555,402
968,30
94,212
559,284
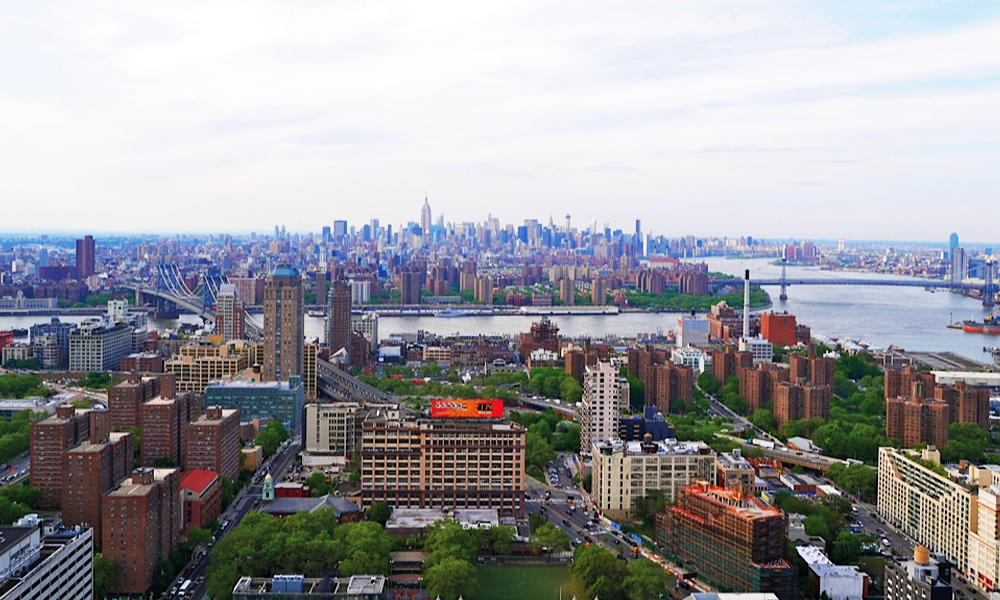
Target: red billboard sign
466,409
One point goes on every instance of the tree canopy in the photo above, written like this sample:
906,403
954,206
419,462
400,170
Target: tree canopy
271,437
307,543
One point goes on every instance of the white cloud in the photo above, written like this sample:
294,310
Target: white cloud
302,113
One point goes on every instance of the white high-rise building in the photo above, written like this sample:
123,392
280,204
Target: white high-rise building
605,392
42,563
367,325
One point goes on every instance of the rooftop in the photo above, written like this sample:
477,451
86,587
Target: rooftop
414,518
669,446
285,271
11,536
256,385
198,480
289,506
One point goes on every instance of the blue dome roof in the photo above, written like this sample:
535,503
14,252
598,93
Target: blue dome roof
285,271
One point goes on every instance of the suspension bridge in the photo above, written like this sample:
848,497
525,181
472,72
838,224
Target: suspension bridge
171,293
987,288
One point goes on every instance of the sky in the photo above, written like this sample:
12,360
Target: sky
776,118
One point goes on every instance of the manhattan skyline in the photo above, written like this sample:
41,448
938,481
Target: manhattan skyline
774,119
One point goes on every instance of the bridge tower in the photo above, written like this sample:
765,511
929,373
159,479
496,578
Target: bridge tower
784,278
207,297
165,309
989,290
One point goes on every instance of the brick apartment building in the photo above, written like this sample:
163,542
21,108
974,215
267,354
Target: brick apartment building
921,411
664,381
90,470
727,363
142,362
213,442
917,420
163,425
51,437
793,402
141,524
125,398
778,328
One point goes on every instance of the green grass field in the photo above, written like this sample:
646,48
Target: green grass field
525,582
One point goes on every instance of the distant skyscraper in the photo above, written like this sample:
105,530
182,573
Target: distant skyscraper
230,319
339,229
85,257
338,320
952,244
425,218
959,265
411,285
638,237
284,325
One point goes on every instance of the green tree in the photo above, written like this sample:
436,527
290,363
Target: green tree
646,507
379,512
966,441
318,485
11,511
846,548
271,437
592,564
764,419
497,540
817,525
449,539
708,382
106,572
644,580
607,588
163,574
197,536
451,578
549,538
367,548
542,429
22,493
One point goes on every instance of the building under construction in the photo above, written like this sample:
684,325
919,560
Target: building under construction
735,541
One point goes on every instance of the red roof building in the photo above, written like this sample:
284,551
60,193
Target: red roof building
201,495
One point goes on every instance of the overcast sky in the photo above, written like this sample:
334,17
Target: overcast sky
850,118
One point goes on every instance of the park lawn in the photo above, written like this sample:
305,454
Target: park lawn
526,582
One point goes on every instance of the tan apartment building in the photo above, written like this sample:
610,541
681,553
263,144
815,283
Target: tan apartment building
624,471
444,463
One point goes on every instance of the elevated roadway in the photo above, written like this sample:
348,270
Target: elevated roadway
338,385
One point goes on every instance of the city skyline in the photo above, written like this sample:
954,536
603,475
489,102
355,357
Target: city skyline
820,120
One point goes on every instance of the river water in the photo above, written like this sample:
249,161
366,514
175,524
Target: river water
910,318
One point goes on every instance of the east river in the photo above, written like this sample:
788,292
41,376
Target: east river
907,317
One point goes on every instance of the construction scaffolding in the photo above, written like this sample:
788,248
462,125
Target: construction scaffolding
735,541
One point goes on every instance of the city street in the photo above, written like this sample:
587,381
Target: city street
244,502
582,525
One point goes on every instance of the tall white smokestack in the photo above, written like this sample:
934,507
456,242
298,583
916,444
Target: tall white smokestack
746,304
